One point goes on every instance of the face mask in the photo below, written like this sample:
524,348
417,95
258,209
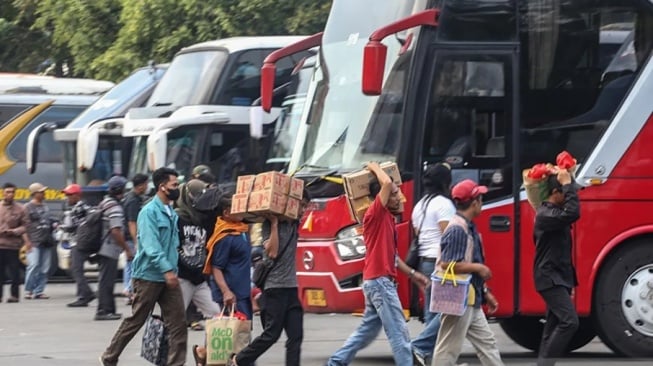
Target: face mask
172,194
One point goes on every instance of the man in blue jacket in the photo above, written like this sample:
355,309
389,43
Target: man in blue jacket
154,273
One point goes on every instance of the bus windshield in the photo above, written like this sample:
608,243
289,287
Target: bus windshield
188,74
119,96
344,127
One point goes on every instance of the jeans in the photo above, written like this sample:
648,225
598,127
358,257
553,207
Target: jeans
382,309
84,291
127,271
283,311
561,325
146,295
39,260
106,282
10,264
424,343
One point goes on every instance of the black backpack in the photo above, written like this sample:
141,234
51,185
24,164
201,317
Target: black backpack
89,231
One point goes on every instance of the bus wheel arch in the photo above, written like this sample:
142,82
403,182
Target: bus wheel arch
623,294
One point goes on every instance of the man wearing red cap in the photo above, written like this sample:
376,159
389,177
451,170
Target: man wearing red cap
461,244
72,219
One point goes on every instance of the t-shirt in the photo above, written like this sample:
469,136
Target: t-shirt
112,218
232,256
380,236
192,251
132,205
284,273
439,209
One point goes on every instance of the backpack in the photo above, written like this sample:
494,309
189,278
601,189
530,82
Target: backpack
89,231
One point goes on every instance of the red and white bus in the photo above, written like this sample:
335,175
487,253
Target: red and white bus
491,87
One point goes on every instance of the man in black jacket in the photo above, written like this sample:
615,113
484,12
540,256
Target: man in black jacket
554,273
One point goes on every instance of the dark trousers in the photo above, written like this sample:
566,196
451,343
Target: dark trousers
106,282
146,295
9,269
281,311
561,324
78,257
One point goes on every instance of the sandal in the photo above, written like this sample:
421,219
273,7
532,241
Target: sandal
196,326
42,297
29,296
199,361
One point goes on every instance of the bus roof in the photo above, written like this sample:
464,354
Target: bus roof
236,44
39,84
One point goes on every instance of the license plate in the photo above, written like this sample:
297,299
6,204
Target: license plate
315,298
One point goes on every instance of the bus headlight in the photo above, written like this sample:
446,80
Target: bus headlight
349,243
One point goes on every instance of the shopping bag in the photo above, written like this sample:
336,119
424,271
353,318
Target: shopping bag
451,293
154,347
226,335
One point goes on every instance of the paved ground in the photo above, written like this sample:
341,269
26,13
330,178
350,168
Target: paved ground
45,332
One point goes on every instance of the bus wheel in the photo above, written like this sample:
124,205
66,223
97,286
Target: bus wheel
526,331
623,301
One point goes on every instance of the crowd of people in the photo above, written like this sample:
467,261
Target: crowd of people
179,254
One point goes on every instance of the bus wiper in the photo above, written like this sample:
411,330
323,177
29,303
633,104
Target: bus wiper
317,167
160,104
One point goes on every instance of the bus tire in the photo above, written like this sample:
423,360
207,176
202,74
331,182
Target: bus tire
623,295
526,331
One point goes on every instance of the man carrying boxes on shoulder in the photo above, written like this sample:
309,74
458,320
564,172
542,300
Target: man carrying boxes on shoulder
382,305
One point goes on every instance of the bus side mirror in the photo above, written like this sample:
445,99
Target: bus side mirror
268,74
374,56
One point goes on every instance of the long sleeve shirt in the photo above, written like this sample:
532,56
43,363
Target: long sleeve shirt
13,224
553,242
158,242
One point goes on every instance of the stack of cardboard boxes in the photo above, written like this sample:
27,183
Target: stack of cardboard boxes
267,193
357,188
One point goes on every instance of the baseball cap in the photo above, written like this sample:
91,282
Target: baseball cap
72,189
37,187
467,190
201,169
117,182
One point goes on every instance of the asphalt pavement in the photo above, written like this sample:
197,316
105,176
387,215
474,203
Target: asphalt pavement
46,332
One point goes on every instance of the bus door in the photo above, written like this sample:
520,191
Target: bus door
470,119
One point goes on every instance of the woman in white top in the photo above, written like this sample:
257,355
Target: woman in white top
430,217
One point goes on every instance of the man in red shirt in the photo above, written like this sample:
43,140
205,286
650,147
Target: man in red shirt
382,305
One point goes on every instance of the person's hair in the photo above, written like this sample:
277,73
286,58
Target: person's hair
227,191
162,176
437,180
8,185
375,187
464,205
552,184
138,179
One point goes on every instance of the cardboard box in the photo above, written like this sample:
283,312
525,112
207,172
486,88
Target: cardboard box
358,207
239,203
267,201
272,180
292,208
296,188
357,184
245,184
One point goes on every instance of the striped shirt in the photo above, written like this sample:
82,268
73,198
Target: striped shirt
454,244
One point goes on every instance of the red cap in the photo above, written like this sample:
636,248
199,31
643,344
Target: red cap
467,190
72,189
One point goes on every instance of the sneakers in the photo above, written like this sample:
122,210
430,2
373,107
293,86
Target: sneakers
418,360
12,300
81,302
103,362
111,316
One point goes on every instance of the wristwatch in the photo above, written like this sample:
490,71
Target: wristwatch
486,290
412,273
